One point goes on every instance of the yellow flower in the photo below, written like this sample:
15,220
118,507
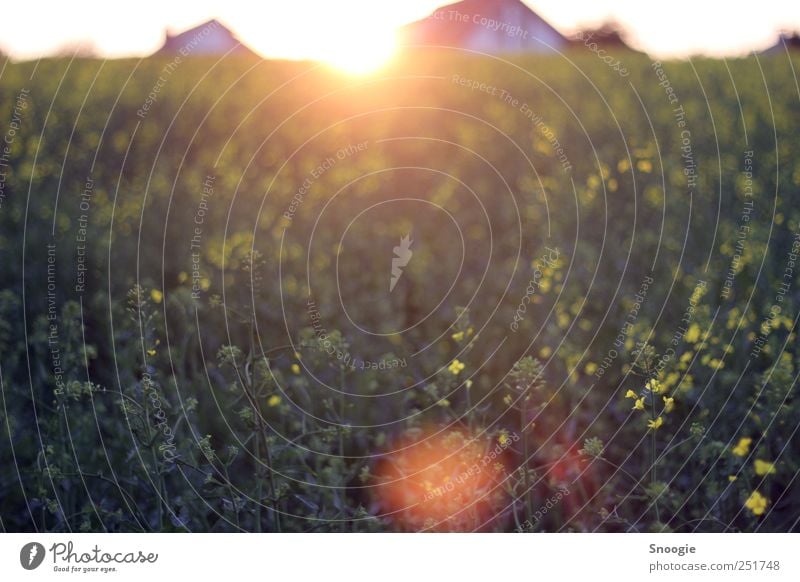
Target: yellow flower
545,352
590,368
444,403
669,404
507,399
732,478
756,503
764,467
630,394
455,367
655,424
693,334
458,336
503,439
273,400
295,368
654,386
156,295
639,404
671,379
743,447
151,352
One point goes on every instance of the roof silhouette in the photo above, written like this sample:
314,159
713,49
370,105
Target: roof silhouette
786,40
492,26
207,39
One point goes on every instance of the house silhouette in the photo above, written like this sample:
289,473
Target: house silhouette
487,26
786,40
211,38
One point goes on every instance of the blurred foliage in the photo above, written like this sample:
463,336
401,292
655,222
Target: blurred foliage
211,380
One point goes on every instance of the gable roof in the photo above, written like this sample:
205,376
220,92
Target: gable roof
493,26
209,38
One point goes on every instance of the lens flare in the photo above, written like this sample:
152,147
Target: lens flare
442,482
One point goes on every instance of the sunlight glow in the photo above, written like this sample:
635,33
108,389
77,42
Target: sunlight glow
360,54
306,29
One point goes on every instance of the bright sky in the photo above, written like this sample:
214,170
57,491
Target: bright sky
308,28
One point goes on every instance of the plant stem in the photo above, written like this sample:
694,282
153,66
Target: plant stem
653,472
523,435
341,438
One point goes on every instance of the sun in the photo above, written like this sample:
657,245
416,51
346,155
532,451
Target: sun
352,37
360,54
